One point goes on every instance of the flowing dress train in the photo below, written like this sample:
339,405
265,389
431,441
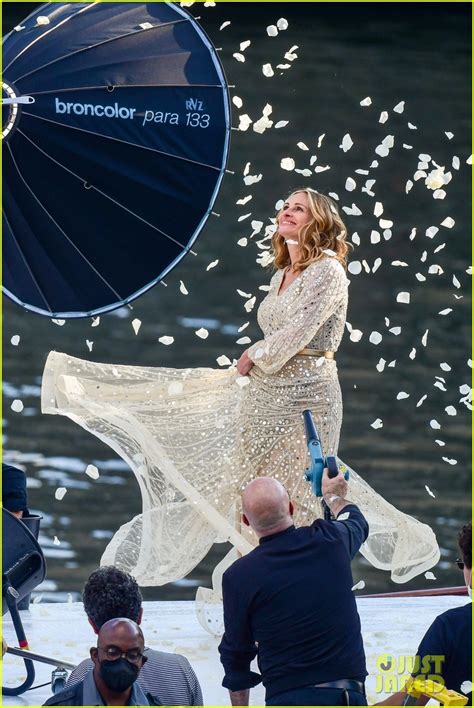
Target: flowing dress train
195,437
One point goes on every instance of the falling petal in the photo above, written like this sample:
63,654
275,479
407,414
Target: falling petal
378,209
238,57
282,24
356,238
320,139
42,20
469,160
430,492
281,124
249,305
321,168
385,224
383,117
456,163
244,123
15,340
202,333
359,586
56,541
287,163
400,107
267,70
439,194
89,344
346,143
166,340
356,335
350,184
399,263
441,443
244,200
377,424
17,406
403,297
412,353
445,312
243,340
60,323
136,324
60,493
407,147
429,575
354,267
466,687
424,338
435,425
212,265
223,360
395,330
375,338
92,472
244,216
374,237
381,365
412,127
95,322
401,395
448,222
242,242
252,179
272,30
450,460
422,400
366,101
224,25
237,101
450,410
243,45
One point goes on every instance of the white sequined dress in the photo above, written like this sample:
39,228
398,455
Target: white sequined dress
195,437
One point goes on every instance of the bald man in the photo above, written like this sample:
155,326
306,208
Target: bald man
118,658
290,601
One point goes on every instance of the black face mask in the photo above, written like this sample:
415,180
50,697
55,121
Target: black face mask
119,675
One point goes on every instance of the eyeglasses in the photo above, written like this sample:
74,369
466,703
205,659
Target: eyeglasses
459,563
113,653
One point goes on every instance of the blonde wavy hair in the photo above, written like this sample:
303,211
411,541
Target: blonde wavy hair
326,230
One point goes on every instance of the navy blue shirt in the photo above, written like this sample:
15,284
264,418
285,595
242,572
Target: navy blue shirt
292,595
450,638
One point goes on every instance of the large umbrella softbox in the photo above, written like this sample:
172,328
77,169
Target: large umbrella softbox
115,140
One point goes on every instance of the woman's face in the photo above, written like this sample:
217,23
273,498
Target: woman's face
294,215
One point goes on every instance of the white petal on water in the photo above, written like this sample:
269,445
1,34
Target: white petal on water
267,70
354,267
359,586
380,366
212,264
441,443
450,460
60,323
383,117
282,24
166,340
320,139
412,353
60,493
402,395
175,388
182,288
243,45
15,340
224,25
375,337
287,163
366,101
346,143
450,410
302,146
378,423
456,163
422,400
446,311
395,330
136,324
242,242
448,222
17,405
272,30
350,184
238,57
439,194
356,335
92,472
412,127
430,492
374,237
355,238
281,124
403,297
378,209
243,340
249,305
242,381
202,333
434,424
223,360
89,344
237,101
429,575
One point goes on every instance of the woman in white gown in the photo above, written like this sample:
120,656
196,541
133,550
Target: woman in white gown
195,437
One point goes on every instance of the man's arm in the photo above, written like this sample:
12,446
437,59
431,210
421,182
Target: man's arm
239,698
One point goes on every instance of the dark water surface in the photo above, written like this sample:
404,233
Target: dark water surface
417,53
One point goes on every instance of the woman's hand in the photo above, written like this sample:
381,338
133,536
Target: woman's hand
244,364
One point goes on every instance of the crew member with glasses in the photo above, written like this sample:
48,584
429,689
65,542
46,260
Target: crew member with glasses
118,658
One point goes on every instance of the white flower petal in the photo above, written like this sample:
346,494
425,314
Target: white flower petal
412,127
287,163
403,297
224,25
249,305
402,395
355,238
238,57
243,45
395,330
434,424
281,123
450,410
456,163
359,586
449,135
237,101
15,340
252,179
243,340
374,237
446,311
377,424
282,24
400,107
92,472
89,344
439,194
412,353
450,460
182,288
212,265
375,338
356,335
320,139
223,360
272,30
60,493
166,340
466,687
60,323
346,143
378,209
366,101
17,405
56,541
202,333
381,365
267,70
350,184
383,117
242,381
422,400
429,575
95,322
354,267
424,338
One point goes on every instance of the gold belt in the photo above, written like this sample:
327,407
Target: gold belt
317,352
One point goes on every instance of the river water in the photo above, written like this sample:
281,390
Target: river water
418,54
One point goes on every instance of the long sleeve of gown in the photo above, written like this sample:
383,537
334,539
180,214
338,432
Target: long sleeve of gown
323,292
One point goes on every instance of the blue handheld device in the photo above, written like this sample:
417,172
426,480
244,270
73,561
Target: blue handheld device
314,474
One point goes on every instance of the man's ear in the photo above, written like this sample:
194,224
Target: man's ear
245,520
291,508
93,625
94,654
140,615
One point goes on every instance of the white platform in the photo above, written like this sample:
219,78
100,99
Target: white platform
389,626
